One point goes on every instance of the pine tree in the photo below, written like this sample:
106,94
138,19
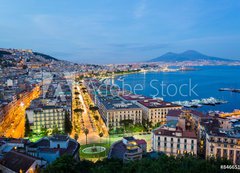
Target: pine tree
27,127
68,123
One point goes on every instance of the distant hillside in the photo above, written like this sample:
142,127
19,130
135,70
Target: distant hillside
189,55
4,53
11,57
48,57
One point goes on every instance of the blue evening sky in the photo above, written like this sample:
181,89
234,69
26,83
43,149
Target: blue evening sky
121,31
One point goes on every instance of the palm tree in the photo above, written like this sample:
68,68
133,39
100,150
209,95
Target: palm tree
86,131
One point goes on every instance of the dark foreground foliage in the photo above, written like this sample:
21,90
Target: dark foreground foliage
164,164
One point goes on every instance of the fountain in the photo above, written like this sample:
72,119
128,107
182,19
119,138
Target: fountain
93,150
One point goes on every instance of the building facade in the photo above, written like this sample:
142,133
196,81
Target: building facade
174,141
221,140
219,146
155,110
128,149
114,110
48,117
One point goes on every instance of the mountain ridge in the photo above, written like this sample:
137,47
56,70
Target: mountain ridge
189,55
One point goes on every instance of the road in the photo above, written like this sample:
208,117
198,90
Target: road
13,124
86,119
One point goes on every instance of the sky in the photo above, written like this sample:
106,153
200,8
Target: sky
121,31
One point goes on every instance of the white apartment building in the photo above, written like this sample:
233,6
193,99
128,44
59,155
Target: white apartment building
113,110
155,110
174,141
46,117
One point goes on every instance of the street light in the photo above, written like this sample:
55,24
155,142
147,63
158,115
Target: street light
22,104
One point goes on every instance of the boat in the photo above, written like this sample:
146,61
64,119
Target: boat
199,103
186,69
121,78
236,90
229,89
225,89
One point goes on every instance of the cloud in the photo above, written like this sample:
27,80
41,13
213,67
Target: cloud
139,46
140,9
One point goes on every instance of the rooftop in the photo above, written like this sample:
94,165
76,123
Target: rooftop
16,161
59,138
157,103
114,103
44,145
173,133
133,97
213,128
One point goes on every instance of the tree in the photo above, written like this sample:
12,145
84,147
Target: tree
100,135
96,117
93,108
76,93
76,136
86,131
126,123
43,131
63,164
147,123
68,123
27,127
162,164
78,110
55,130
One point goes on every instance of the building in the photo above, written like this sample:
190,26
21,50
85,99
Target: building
51,148
128,149
15,162
155,110
220,139
8,144
174,138
113,110
133,97
48,117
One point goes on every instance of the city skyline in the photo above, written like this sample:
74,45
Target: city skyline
123,31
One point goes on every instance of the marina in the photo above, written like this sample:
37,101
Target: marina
211,101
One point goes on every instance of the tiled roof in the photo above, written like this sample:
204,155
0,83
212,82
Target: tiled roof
140,141
44,145
167,132
15,161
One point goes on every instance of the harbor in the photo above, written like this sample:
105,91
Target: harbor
211,101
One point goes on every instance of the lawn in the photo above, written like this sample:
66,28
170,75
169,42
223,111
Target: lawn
128,129
35,138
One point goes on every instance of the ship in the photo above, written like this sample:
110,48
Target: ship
186,69
225,89
236,90
229,89
199,103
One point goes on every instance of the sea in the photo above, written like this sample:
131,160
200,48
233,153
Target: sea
204,82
